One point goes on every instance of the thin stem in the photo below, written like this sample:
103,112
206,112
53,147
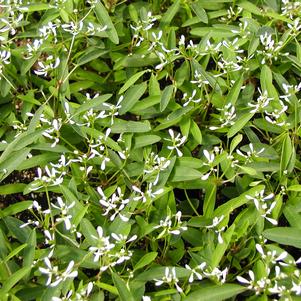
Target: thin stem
190,203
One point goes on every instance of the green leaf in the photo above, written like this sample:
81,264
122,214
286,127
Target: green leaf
107,287
90,54
12,188
294,188
216,33
15,208
196,132
154,86
105,20
250,7
36,7
215,293
221,248
131,97
239,124
88,230
142,141
287,154
145,260
293,216
288,236
237,202
20,143
123,126
166,97
235,90
29,251
93,103
40,160
131,81
235,141
13,280
159,271
199,11
182,173
13,162
14,226
14,252
123,291
266,81
170,13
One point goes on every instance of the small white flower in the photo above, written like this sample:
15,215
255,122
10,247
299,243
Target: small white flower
176,141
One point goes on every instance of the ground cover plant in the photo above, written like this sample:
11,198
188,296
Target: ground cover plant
150,150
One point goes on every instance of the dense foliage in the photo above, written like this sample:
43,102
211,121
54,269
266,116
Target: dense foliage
150,150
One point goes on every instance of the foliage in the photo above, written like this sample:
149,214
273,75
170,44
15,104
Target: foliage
150,150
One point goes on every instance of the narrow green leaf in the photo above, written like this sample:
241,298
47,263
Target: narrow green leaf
145,260
12,188
286,153
154,86
13,162
166,97
221,248
215,293
131,97
29,251
131,81
105,20
293,216
250,7
15,208
182,173
266,81
14,252
284,235
239,124
90,54
39,160
294,188
196,132
235,90
170,13
141,141
123,291
14,279
107,287
20,143
36,7
88,230
123,126
231,205
199,11
93,103
235,141
14,226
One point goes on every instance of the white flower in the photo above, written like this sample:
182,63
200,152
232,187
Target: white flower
170,277
116,203
49,65
194,272
50,270
73,28
103,245
149,194
33,48
177,141
68,273
64,210
262,206
190,99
